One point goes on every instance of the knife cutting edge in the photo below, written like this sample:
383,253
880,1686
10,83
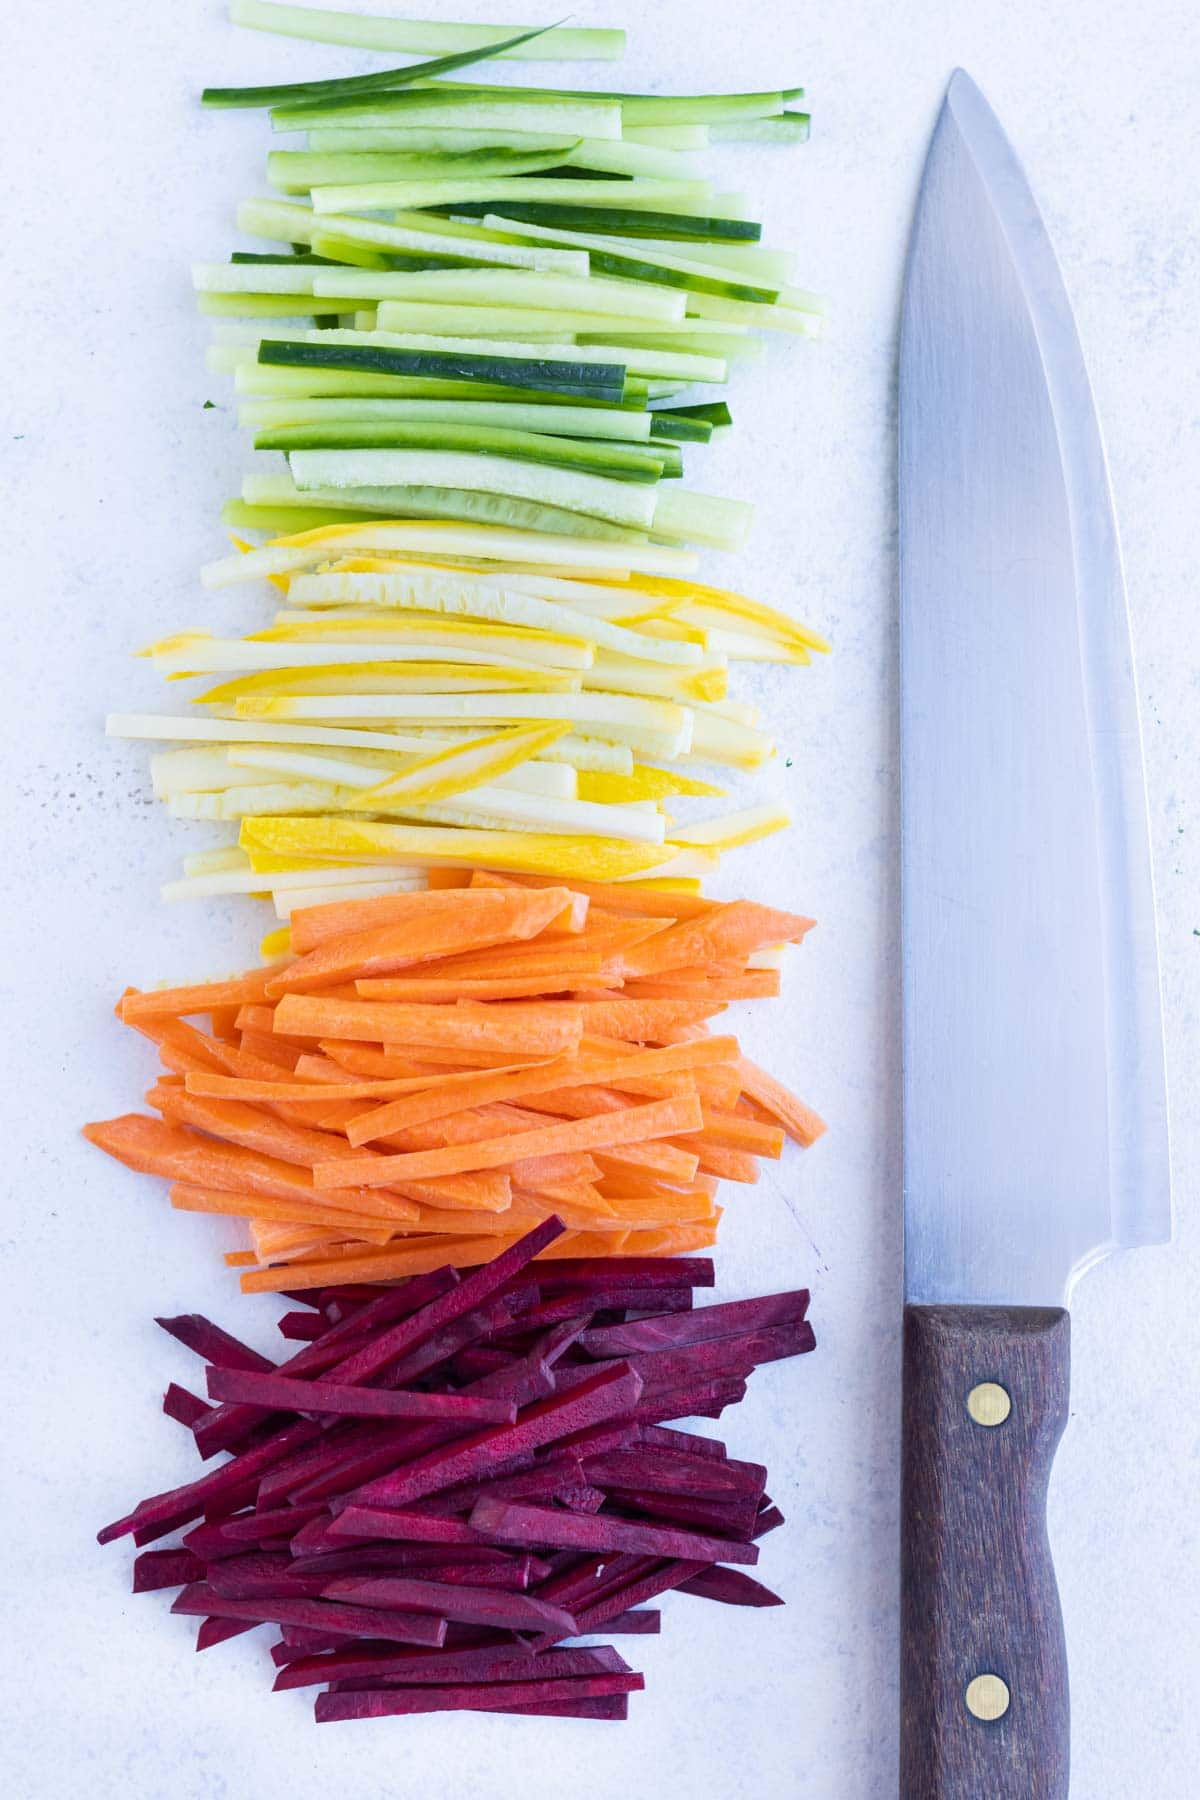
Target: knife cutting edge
1034,1110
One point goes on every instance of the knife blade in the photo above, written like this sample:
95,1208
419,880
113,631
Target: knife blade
1034,1098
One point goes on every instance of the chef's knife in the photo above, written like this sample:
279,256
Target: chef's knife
1035,1137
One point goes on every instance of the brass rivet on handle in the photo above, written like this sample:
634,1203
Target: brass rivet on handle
987,1697
988,1403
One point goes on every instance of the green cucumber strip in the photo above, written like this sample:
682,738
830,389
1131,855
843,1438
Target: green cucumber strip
479,246
447,140
285,519
649,200
786,128
667,364
770,269
525,372
508,109
517,289
445,320
669,454
618,502
612,220
654,268
673,426
701,518
423,37
610,424
294,259
761,318
644,341
262,306
667,137
264,381
425,501
298,171
287,276
620,462
685,422
643,109
289,93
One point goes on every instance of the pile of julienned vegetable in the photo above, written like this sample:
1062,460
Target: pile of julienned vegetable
425,1076
453,1478
487,286
492,646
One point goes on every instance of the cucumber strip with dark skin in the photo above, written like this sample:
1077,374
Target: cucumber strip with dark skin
289,92
268,256
614,221
696,423
605,380
624,462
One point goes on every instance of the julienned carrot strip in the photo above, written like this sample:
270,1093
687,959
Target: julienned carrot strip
223,1021
227,1087
447,1056
545,1029
315,925
755,984
674,1240
616,898
660,1118
270,1049
162,1003
447,930
733,1131
186,1197
671,1161
450,989
487,1088
180,1045
365,1060
798,1120
728,934
390,1265
730,1165
645,1021
260,1019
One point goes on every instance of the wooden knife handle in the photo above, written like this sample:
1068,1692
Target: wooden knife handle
983,1680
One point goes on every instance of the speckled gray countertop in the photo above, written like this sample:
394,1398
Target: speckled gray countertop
111,474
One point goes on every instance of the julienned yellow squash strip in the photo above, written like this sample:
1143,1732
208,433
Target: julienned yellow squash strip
470,765
342,840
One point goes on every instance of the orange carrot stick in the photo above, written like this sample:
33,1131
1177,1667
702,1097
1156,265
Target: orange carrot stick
446,930
798,1120
755,984
445,990
240,990
659,1118
535,1028
729,934
315,925
733,1131
671,1161
185,1197
645,1021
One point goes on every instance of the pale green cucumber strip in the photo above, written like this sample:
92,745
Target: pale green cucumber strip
617,502
642,345
638,109
253,377
510,288
477,245
447,139
264,306
298,171
508,109
552,367
680,513
687,197
759,318
291,277
620,462
424,501
668,365
656,267
754,262
443,320
668,137
345,86
241,515
787,128
611,424
424,37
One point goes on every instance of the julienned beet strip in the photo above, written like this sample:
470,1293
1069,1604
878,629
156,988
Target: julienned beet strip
418,1564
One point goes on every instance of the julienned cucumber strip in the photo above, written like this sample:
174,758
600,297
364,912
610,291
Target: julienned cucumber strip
670,198
291,92
483,289
619,462
294,259
639,109
786,128
620,221
427,502
264,306
618,502
423,37
565,378
242,516
680,429
431,236
681,421
605,155
267,381
655,268
297,171
607,423
508,109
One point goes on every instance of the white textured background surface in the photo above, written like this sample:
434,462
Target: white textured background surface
111,475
